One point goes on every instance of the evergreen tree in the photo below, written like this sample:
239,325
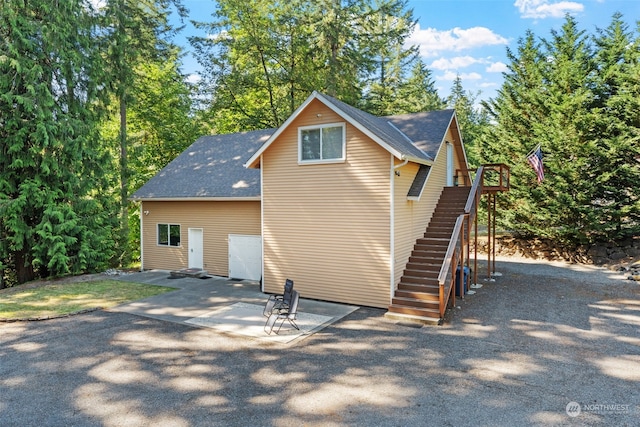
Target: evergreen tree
54,219
579,104
390,60
615,133
265,57
518,113
133,32
255,63
418,93
472,120
568,192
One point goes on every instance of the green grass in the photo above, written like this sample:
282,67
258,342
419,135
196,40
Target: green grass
51,300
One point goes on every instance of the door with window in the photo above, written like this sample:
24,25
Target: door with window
196,251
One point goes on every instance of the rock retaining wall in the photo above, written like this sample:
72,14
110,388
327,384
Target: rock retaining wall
621,256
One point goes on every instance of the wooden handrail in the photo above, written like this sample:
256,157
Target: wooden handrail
450,249
476,190
458,241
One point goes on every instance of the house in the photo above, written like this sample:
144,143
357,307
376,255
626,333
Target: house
335,199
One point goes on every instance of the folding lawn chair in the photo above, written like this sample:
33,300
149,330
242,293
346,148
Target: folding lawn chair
289,315
279,302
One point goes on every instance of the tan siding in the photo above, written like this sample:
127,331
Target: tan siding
217,219
327,226
412,217
404,218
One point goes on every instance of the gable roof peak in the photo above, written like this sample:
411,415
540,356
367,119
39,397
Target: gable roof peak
383,131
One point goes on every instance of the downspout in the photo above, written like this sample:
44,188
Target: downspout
392,220
141,238
392,231
262,219
399,165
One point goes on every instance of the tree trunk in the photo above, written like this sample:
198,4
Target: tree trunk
124,183
24,267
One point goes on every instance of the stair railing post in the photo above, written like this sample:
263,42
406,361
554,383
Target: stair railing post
489,236
475,246
494,232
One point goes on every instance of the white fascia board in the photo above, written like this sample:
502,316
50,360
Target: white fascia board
362,128
418,160
253,160
464,151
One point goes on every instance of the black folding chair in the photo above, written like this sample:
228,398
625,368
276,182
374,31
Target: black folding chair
289,315
279,302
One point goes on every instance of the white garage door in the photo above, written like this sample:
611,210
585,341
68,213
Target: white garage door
245,257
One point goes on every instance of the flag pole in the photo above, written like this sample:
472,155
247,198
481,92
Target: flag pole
536,148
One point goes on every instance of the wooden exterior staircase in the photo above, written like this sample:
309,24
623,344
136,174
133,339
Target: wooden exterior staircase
417,295
426,287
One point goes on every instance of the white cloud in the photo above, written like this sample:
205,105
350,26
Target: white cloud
451,76
193,78
454,63
431,41
540,9
497,67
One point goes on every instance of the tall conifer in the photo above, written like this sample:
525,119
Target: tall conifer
54,219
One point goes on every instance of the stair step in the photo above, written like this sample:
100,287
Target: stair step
452,202
422,269
427,259
433,242
421,276
414,311
437,234
422,296
415,303
446,217
419,284
441,226
428,253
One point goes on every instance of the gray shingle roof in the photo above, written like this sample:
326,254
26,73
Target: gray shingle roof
212,167
426,130
388,129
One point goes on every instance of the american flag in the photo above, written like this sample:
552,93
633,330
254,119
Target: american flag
535,160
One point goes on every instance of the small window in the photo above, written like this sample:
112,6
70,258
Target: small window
322,143
168,235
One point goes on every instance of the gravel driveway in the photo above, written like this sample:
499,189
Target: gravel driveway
516,353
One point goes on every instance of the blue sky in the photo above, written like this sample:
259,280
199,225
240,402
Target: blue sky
470,37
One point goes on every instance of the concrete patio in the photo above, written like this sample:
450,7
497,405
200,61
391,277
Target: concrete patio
227,305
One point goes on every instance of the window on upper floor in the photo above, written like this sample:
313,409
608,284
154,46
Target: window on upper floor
319,144
168,235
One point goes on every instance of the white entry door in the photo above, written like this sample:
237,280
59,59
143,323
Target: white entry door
245,257
196,251
449,164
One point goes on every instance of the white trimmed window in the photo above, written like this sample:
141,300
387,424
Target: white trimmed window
319,144
168,235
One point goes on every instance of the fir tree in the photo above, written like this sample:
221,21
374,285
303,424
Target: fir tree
615,133
54,219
